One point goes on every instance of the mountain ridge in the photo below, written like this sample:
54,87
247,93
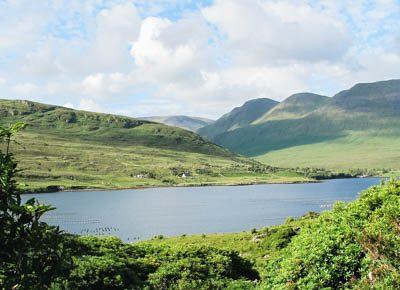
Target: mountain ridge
239,117
367,113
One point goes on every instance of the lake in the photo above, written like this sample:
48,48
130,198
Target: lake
143,213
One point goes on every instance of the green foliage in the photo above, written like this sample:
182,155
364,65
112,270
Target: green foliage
107,263
321,173
201,268
354,245
31,252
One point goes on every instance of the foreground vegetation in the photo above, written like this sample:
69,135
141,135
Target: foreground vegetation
355,245
68,149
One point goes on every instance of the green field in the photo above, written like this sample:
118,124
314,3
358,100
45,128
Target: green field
48,161
357,150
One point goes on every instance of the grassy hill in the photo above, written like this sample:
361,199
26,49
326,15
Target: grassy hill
69,149
357,128
239,117
184,122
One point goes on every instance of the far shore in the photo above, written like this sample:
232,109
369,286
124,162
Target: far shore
78,189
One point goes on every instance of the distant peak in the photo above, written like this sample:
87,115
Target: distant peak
373,90
378,83
259,100
305,96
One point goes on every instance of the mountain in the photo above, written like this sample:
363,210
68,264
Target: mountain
379,99
70,149
184,122
358,127
294,107
239,117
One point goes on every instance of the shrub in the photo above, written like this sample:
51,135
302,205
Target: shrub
355,244
32,254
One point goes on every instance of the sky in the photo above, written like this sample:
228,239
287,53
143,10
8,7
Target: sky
198,58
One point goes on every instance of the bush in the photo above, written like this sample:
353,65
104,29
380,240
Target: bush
32,254
201,268
107,263
354,245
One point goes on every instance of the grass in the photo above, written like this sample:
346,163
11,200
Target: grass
356,150
256,245
52,163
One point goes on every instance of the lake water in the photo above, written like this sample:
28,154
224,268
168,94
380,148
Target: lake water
144,213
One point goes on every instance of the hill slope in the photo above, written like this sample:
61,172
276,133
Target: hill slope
238,117
359,127
65,148
184,122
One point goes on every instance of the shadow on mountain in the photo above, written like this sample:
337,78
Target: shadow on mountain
256,140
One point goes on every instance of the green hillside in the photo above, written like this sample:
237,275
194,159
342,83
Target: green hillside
67,149
184,122
357,128
239,117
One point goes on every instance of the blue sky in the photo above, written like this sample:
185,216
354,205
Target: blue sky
202,58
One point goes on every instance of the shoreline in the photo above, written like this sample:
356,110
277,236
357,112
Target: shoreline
172,186
189,185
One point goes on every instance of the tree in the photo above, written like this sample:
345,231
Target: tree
32,254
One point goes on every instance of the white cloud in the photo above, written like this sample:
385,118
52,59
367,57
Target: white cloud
2,81
20,25
89,105
272,32
115,29
172,52
42,62
26,89
93,84
102,85
103,47
69,105
123,56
